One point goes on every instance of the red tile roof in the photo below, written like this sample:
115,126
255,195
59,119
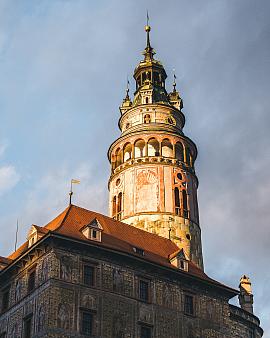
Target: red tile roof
115,235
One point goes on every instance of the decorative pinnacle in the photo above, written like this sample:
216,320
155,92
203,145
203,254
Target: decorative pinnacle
127,90
174,81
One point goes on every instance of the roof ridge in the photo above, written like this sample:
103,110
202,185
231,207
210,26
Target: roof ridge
64,218
64,212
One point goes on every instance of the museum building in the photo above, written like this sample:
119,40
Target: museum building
138,273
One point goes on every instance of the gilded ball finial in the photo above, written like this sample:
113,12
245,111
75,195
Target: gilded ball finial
147,28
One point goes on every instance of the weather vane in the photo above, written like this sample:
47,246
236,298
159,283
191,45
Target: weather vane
147,18
71,191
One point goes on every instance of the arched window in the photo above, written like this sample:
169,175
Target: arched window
179,151
147,118
185,204
153,147
119,205
143,77
118,157
167,148
176,201
146,100
139,148
156,78
114,207
187,156
127,152
191,159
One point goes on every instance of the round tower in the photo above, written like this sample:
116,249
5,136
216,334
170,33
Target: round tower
153,185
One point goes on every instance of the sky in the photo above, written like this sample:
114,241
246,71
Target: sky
64,65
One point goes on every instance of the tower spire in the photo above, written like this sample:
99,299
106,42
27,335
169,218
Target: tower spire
148,51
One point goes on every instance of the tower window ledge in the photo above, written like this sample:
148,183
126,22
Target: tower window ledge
168,160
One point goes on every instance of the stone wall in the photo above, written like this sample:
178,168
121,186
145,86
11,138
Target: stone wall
60,295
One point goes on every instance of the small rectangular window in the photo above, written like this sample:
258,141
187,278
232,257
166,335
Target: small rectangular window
189,305
87,323
88,275
27,327
146,332
31,280
144,290
5,299
138,251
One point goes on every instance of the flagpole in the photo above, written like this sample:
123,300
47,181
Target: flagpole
73,181
70,193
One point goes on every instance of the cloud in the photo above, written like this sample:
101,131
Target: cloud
8,174
8,178
50,194
3,147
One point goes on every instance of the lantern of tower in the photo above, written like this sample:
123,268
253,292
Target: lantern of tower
153,185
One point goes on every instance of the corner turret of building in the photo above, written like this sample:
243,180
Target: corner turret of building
246,296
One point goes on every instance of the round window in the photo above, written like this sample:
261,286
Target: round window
188,236
179,176
170,120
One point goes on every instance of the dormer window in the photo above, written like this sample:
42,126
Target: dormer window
138,251
179,260
93,231
183,264
35,234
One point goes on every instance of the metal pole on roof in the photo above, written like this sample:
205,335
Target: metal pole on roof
73,181
170,233
16,237
70,193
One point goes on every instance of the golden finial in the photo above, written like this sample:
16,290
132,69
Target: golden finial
148,52
147,27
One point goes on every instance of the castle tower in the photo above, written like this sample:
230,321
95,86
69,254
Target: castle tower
153,185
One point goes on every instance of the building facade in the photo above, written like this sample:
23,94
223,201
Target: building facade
138,273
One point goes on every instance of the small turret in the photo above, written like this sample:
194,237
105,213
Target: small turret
246,296
126,104
174,96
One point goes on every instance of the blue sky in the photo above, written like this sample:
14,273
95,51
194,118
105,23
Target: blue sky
63,67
